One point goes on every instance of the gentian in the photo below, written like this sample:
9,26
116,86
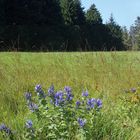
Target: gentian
39,91
77,104
59,98
28,96
51,90
67,89
81,122
4,128
32,106
69,96
38,88
29,124
85,93
91,103
99,103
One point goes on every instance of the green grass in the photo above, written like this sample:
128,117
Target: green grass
104,74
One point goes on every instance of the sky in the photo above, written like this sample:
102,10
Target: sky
124,12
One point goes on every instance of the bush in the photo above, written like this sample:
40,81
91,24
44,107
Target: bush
55,115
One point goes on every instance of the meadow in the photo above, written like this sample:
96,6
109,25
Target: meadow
109,76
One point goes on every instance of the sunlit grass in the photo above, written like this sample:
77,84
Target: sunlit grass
103,74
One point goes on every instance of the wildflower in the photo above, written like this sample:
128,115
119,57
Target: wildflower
4,128
32,106
91,103
38,88
67,89
28,96
133,90
99,103
81,122
69,96
85,93
51,90
29,124
59,98
39,91
77,104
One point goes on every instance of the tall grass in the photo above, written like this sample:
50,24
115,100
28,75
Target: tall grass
103,74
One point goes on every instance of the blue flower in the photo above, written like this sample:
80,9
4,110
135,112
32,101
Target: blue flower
69,96
38,88
81,122
29,124
85,93
99,103
91,103
59,98
78,104
28,96
67,89
39,91
51,90
32,106
4,128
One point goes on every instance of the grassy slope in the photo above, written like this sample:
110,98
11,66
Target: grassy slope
108,74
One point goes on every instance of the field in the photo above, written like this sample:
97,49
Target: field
106,75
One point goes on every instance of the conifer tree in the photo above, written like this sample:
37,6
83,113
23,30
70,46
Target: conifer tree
93,16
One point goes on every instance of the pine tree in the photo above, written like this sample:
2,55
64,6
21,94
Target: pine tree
126,39
116,35
72,12
2,13
93,16
51,12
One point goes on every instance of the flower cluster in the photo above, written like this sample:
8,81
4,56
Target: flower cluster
61,109
5,129
40,91
81,122
29,124
60,98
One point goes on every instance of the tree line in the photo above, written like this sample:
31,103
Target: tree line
59,25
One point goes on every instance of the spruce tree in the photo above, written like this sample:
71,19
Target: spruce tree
72,12
115,32
93,16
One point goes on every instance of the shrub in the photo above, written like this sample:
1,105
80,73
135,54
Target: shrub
55,114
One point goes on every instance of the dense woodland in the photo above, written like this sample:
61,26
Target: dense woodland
61,25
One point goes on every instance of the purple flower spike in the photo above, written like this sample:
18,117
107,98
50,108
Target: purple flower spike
4,128
28,96
91,103
78,103
51,90
38,88
33,107
81,122
99,103
85,94
67,89
58,98
29,124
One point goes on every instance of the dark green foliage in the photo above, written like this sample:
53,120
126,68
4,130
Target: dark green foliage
72,12
52,12
115,33
93,16
55,25
126,39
